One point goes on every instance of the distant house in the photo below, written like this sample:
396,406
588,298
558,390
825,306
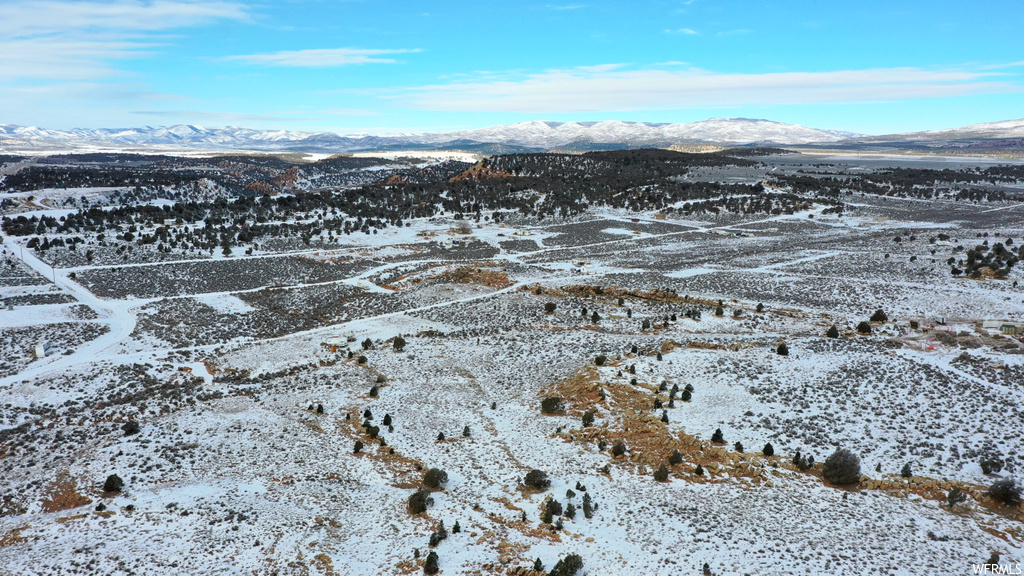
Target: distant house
1011,329
659,216
1004,327
522,233
334,343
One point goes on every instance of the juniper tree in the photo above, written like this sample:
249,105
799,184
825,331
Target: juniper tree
435,477
367,414
358,448
130,427
550,307
588,418
676,458
1005,491
537,479
906,472
570,510
738,446
664,416
588,506
864,328
842,467
645,325
719,311
113,483
567,566
494,405
398,344
833,332
367,344
465,432
760,307
387,420
319,408
431,567
538,566
419,500
955,497
600,360
619,448
552,405
699,470
440,436
595,317
374,391
782,350
661,475
768,450
687,395
879,316
718,437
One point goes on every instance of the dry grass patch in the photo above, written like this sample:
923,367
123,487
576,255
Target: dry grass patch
63,494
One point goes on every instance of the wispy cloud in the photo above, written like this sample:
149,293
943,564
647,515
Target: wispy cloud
72,40
321,57
611,88
688,31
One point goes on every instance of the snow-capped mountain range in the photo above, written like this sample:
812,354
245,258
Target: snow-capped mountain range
539,135
533,135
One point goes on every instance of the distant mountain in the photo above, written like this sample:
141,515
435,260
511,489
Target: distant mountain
525,136
1006,129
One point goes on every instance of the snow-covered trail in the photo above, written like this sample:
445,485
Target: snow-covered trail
115,314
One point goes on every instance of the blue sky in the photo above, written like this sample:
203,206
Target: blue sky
390,66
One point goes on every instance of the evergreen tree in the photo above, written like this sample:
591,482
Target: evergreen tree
662,474
906,472
864,328
419,500
619,448
768,450
686,396
537,479
431,567
833,332
113,483
676,458
538,566
435,477
760,307
465,432
699,470
440,436
387,420
718,437
588,418
719,311
319,408
955,497
782,350
358,448
879,316
374,391
664,416
549,308
738,446
842,467
568,566
398,344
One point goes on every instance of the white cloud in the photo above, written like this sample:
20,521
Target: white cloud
321,57
610,88
687,31
70,40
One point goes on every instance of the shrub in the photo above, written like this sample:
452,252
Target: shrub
782,350
367,344
537,479
387,420
374,392
760,307
990,465
567,566
398,344
431,567
833,332
130,427
662,474
699,470
1005,491
718,437
738,446
550,307
435,477
361,360
588,418
619,448
842,467
358,448
768,450
600,360
719,311
553,507
954,497
879,316
864,328
419,500
687,395
675,458
551,405
114,483
372,431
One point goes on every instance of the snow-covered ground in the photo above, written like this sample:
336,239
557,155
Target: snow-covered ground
219,360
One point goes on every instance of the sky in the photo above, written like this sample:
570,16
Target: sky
351,66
